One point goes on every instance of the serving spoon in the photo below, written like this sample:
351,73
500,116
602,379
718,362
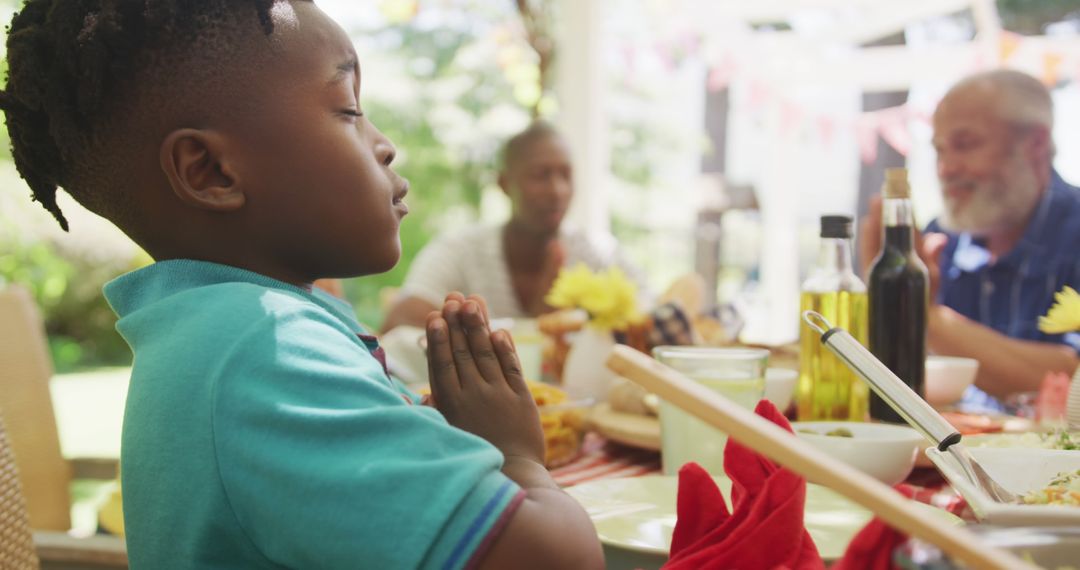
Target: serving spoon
900,397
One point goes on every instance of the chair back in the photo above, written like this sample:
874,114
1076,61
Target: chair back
26,404
16,541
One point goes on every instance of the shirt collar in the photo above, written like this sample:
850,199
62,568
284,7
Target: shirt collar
142,287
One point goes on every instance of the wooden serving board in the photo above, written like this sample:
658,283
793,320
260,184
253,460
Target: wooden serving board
628,429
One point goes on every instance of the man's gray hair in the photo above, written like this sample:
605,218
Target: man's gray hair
1021,99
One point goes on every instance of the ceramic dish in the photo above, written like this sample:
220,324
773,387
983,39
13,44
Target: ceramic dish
1048,547
947,377
643,430
883,451
636,516
1029,439
635,430
1019,470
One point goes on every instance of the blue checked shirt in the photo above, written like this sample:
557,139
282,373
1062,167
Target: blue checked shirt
1011,294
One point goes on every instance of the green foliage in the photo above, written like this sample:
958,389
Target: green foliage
447,176
438,182
67,289
1031,16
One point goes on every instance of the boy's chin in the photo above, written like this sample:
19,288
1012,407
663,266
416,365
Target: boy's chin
383,265
361,264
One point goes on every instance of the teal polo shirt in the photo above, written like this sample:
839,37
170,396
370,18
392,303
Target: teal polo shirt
261,432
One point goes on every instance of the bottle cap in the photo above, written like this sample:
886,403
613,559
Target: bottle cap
896,183
838,227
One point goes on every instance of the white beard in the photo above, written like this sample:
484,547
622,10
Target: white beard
997,205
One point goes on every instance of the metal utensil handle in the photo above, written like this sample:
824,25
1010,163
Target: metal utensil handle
894,391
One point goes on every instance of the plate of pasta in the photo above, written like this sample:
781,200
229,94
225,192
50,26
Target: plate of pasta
1045,479
563,421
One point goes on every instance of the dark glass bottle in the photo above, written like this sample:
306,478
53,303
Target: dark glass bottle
898,288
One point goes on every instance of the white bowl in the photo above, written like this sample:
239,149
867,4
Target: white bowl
885,452
1018,470
780,387
947,377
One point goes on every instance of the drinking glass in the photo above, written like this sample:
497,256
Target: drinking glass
738,374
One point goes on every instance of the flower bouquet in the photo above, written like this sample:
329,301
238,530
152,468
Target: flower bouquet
608,297
602,302
1064,318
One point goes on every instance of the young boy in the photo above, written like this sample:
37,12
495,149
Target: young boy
261,431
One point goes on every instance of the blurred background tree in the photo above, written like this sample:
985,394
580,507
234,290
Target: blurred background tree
446,81
1030,17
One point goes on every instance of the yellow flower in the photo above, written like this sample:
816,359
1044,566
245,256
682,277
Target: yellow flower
569,287
1064,316
609,297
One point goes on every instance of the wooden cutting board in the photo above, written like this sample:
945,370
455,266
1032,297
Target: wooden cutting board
628,429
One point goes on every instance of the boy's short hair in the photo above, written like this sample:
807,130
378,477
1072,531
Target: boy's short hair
84,73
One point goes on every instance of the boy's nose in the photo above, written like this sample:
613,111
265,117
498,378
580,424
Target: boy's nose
385,152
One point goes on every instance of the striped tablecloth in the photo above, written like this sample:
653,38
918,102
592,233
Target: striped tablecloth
601,459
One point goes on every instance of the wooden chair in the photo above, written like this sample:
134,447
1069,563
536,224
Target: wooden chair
16,541
25,401
23,549
34,476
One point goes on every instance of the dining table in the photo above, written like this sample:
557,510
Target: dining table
613,480
600,459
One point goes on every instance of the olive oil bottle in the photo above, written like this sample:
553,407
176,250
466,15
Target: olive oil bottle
827,389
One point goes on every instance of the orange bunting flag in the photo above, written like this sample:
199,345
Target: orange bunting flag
1007,45
1051,66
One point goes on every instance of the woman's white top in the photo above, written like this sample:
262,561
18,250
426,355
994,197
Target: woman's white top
473,262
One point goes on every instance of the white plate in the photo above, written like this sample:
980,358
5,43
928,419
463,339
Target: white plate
1027,440
636,516
1019,470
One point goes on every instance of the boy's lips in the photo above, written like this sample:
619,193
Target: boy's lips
399,199
400,192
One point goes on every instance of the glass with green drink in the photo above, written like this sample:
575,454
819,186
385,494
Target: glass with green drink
738,374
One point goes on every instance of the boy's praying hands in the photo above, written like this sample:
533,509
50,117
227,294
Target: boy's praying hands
476,380
476,383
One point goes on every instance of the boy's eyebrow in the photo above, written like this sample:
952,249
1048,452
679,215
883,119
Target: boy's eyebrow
344,69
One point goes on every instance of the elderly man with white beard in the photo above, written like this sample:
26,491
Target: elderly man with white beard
1008,240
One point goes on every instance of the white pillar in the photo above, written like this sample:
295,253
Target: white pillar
581,87
773,311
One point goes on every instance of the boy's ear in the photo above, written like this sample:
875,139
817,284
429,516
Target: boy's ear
199,170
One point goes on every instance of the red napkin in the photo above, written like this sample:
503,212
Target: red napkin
765,528
873,547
